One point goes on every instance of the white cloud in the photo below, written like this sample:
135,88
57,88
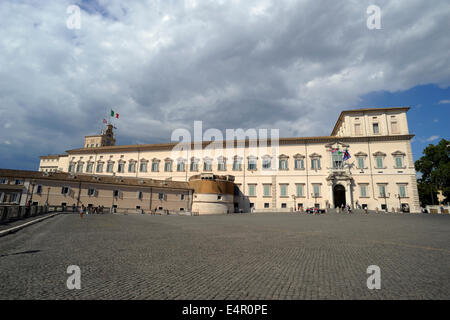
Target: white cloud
287,64
432,138
444,102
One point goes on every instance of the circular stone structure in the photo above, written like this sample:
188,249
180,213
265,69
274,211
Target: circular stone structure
213,194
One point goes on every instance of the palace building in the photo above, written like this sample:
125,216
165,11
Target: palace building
366,162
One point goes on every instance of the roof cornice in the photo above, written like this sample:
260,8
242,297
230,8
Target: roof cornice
282,141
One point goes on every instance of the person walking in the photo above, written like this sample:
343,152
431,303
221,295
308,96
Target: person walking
81,211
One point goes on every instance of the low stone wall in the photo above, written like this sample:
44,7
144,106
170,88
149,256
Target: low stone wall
437,209
141,211
15,212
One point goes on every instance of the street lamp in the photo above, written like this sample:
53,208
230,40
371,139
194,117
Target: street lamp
48,192
32,191
399,202
315,196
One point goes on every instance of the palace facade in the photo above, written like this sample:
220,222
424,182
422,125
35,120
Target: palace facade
304,172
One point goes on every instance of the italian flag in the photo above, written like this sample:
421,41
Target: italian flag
114,114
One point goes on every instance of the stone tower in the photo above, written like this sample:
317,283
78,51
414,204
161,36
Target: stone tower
106,138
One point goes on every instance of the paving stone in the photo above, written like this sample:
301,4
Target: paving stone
248,256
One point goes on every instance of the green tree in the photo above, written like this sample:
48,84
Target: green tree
435,169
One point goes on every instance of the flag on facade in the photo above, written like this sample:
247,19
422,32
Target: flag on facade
114,114
346,155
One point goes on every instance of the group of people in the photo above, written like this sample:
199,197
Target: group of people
347,208
89,210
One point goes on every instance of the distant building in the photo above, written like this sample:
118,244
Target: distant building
309,171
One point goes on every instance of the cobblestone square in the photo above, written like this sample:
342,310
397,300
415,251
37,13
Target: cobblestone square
248,256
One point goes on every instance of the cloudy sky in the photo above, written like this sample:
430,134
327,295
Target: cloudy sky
161,64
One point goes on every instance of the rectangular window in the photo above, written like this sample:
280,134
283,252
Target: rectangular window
237,165
299,190
155,166
252,190
143,167
132,167
194,166
168,166
207,166
182,196
161,196
71,167
267,190
91,192
299,164
65,190
338,160
267,164
99,167
140,195
14,197
283,205
180,166
18,181
375,127
79,167
121,167
382,190
316,190
266,205
357,129
3,181
251,164
221,166
39,189
363,190
116,193
402,190
315,163
283,164
394,127
399,162
361,163
109,167
283,190
379,162
89,166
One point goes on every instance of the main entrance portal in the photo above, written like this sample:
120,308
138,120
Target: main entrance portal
339,195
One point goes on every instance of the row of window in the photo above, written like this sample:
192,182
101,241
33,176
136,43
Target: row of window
16,181
376,127
92,192
283,164
13,197
380,161
299,187
317,192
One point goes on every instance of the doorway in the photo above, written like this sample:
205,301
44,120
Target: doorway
339,195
